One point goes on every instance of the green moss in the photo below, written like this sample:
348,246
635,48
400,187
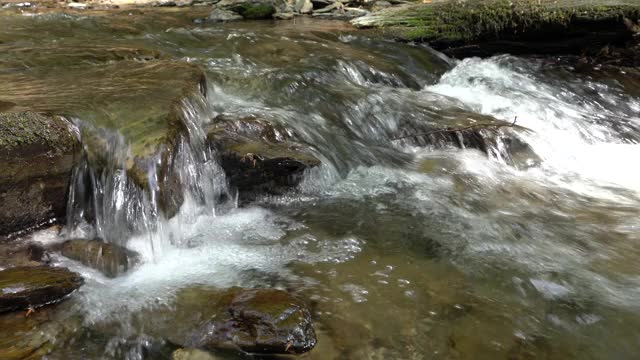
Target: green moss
28,128
458,22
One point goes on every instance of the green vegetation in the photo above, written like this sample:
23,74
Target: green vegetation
458,22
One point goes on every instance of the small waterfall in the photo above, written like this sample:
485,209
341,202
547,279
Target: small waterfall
114,195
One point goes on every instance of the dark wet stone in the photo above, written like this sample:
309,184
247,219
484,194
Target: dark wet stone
259,157
267,321
110,259
25,287
37,154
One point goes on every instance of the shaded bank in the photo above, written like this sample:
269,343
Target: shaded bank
483,28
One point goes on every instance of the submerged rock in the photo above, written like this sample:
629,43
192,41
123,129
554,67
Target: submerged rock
268,321
192,354
12,255
259,157
37,154
28,287
110,259
484,28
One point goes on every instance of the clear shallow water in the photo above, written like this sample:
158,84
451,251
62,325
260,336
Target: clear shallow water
404,252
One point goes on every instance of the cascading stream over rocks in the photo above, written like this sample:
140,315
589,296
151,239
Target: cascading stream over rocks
193,188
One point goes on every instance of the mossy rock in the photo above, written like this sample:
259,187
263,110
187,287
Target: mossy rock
266,321
110,259
485,27
37,154
30,287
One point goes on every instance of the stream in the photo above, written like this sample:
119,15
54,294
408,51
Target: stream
404,250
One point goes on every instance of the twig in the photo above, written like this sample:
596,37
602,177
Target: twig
495,126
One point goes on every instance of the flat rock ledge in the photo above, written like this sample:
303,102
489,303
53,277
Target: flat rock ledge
30,287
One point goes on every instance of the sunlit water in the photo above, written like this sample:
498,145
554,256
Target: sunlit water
404,252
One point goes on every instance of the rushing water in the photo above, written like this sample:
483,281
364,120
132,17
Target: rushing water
406,252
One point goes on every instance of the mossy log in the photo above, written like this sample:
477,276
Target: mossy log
485,27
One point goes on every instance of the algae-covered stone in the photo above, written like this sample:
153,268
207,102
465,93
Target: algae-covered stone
26,287
268,321
258,156
37,154
485,27
108,258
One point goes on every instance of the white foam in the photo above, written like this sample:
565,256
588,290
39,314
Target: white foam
569,133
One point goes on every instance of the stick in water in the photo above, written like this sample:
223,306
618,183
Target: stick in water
495,126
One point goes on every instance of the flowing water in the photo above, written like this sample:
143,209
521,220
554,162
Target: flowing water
404,251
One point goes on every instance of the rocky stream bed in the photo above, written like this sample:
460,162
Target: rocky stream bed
326,179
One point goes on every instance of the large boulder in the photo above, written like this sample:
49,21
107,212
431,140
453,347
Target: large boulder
258,156
266,321
37,154
108,258
29,287
486,27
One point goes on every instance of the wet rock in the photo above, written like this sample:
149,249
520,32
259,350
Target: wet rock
192,354
267,321
110,259
259,157
468,130
12,255
25,287
246,9
37,154
27,337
